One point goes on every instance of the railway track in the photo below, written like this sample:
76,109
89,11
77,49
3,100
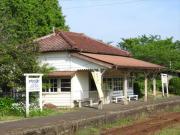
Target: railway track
148,126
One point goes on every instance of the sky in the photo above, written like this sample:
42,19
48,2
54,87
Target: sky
112,20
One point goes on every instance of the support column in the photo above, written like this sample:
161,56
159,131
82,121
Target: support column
125,89
145,88
154,86
167,90
97,76
162,89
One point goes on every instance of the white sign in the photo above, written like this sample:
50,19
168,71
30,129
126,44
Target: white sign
33,84
164,80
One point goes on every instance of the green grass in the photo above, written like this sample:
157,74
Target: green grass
119,123
92,130
36,113
173,130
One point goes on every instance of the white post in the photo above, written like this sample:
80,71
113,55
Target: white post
27,97
125,88
167,90
163,89
40,93
154,86
145,88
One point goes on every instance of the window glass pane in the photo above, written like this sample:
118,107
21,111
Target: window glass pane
51,85
66,85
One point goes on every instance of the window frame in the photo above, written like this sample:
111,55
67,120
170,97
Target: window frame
65,83
48,89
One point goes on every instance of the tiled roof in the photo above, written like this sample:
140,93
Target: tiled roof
61,41
122,62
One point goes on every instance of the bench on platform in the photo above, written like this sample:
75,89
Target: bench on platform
117,96
79,102
131,95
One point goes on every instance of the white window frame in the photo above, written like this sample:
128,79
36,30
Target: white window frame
48,90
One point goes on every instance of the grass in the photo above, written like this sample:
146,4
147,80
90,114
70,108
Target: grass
92,130
36,113
119,123
173,130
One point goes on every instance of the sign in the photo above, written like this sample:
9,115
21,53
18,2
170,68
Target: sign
164,80
33,84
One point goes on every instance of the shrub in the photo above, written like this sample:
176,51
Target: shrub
18,109
5,105
174,86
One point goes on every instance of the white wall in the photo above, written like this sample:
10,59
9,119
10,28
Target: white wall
63,61
79,91
80,85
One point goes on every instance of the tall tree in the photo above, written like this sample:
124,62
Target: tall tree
154,49
21,22
24,19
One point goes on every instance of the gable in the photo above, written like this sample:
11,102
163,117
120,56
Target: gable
63,61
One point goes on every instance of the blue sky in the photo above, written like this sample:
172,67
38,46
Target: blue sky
111,20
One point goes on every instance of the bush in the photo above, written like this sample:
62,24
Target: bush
174,86
5,105
18,109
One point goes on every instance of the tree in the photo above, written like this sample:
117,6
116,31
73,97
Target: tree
21,22
154,49
24,19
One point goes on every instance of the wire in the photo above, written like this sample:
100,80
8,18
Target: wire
101,5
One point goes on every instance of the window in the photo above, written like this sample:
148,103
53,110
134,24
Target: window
117,84
50,85
65,85
107,84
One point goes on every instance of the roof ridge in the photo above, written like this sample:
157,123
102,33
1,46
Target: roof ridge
67,39
106,44
44,37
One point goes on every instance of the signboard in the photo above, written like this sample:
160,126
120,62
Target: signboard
33,84
164,80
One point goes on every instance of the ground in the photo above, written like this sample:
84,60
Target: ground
149,126
82,117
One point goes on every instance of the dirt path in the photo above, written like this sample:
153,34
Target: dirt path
147,127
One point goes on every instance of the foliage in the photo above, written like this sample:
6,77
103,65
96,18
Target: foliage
174,86
18,109
22,19
21,22
5,105
154,49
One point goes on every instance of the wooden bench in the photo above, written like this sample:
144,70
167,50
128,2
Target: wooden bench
117,96
131,95
84,100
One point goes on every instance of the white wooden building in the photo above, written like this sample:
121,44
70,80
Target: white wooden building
86,68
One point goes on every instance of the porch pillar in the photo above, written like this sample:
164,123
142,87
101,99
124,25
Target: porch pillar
97,76
125,89
167,90
154,86
145,88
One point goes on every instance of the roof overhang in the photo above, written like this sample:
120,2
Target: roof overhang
61,74
118,62
101,63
